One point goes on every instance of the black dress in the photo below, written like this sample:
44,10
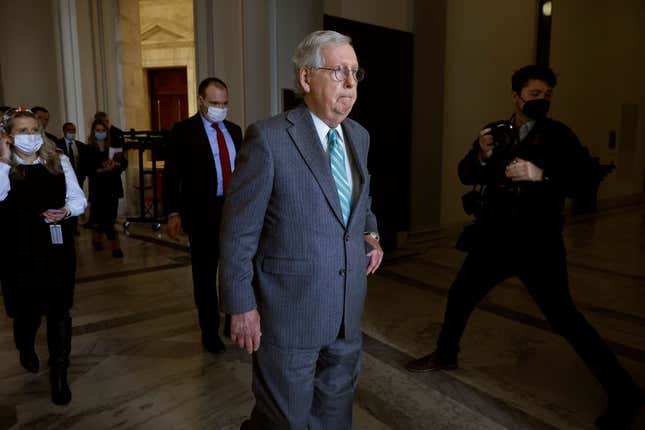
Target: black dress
37,277
105,188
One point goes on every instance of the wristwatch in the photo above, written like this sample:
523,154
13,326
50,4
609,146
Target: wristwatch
373,235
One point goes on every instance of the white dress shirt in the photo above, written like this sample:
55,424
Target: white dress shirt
352,173
75,200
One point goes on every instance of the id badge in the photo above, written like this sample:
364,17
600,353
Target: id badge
56,233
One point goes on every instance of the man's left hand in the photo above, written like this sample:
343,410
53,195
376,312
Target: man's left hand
375,255
522,170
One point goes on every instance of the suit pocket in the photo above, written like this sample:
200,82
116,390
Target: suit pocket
285,266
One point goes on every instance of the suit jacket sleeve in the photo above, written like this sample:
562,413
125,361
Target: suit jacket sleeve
172,179
571,170
245,205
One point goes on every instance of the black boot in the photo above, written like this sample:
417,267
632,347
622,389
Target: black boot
59,338
61,394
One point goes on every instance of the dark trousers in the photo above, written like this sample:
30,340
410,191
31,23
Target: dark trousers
59,335
297,389
204,252
540,263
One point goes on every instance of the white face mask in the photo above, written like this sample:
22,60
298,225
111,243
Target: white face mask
28,143
216,114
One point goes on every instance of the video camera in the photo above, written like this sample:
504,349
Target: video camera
504,137
504,141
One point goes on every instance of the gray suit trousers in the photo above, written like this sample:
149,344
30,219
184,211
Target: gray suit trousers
311,388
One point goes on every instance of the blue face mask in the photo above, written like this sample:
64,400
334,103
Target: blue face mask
101,136
70,136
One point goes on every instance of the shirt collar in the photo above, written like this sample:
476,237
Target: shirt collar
526,128
209,124
25,163
323,129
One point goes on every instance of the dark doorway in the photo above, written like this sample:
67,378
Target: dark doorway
168,97
384,108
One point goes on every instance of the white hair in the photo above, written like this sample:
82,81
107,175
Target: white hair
307,53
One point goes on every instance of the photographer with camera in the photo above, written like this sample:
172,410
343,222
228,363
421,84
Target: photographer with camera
526,167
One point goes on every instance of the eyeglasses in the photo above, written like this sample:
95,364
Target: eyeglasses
342,73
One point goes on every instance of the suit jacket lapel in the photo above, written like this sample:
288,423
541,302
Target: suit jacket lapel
202,142
304,136
350,144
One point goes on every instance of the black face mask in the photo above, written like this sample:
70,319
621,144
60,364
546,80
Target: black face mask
536,109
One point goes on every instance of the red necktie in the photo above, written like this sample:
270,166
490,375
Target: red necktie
224,158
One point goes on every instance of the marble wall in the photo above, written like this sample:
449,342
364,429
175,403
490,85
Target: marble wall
594,50
28,27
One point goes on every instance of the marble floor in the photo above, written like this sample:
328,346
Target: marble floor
137,361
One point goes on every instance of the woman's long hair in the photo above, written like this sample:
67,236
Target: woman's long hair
48,153
92,139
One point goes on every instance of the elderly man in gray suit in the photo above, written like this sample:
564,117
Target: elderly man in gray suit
298,239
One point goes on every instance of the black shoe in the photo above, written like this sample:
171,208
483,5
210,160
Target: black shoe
620,414
432,362
29,360
214,345
117,253
61,394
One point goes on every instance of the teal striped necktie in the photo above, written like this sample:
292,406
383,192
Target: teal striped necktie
339,172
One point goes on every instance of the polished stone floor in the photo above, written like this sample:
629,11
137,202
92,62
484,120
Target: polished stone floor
137,360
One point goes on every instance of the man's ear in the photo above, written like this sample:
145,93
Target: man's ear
303,77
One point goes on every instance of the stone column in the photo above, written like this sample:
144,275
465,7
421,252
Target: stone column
136,110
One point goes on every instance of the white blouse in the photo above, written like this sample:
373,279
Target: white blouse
75,200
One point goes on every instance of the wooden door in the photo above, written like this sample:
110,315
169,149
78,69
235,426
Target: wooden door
168,97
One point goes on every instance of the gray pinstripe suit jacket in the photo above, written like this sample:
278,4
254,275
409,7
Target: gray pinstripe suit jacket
284,248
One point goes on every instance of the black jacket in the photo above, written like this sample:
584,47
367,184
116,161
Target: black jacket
568,170
104,186
84,153
190,176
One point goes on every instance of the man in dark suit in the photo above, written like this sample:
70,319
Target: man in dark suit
75,150
298,240
43,116
199,163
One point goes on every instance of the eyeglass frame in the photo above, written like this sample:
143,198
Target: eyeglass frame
345,71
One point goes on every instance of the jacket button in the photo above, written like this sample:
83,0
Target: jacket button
347,238
341,272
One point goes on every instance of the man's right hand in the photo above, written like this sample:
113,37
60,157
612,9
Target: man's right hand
245,330
174,225
486,144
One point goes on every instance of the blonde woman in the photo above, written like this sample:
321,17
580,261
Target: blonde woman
38,194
